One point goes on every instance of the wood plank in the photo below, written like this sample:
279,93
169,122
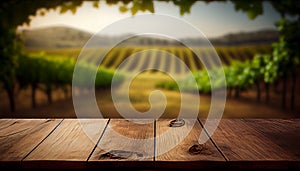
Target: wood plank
245,143
125,144
68,146
20,136
283,132
244,147
179,157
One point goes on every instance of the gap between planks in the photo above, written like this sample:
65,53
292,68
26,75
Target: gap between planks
154,140
16,146
104,131
43,139
105,128
213,142
69,145
98,141
112,150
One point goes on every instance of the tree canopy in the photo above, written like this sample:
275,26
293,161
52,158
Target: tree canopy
17,12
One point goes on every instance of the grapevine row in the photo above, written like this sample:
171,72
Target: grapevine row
47,73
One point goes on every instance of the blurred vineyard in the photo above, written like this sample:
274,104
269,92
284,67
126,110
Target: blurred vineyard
53,69
154,57
257,67
50,71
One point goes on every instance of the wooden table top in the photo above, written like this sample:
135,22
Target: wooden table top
63,143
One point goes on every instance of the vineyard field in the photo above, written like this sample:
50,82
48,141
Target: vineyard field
154,57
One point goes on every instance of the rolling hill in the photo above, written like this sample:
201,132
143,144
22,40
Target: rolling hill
66,37
55,37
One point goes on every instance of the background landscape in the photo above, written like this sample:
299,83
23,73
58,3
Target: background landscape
256,46
61,42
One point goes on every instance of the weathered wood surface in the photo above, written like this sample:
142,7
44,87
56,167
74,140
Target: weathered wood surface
68,146
19,136
285,133
237,143
178,156
125,144
245,147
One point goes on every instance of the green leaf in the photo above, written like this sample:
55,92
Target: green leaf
96,4
63,9
123,9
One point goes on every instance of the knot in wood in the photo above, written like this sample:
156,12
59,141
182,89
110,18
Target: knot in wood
196,149
177,123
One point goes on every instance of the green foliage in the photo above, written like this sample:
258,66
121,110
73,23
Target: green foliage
286,7
169,85
239,75
289,43
202,79
185,6
58,72
263,67
17,12
253,8
31,76
141,5
103,76
9,52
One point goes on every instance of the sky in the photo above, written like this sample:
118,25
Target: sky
213,19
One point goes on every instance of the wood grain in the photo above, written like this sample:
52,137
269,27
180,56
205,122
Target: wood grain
179,157
244,147
125,144
69,145
283,132
236,144
19,136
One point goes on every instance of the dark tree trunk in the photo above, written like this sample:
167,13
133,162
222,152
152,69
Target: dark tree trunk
229,92
257,91
33,89
49,94
11,97
276,88
293,89
267,86
284,91
237,93
66,92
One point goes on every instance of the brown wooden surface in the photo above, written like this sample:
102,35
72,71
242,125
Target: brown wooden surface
132,144
245,147
19,136
285,133
179,156
237,143
69,143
